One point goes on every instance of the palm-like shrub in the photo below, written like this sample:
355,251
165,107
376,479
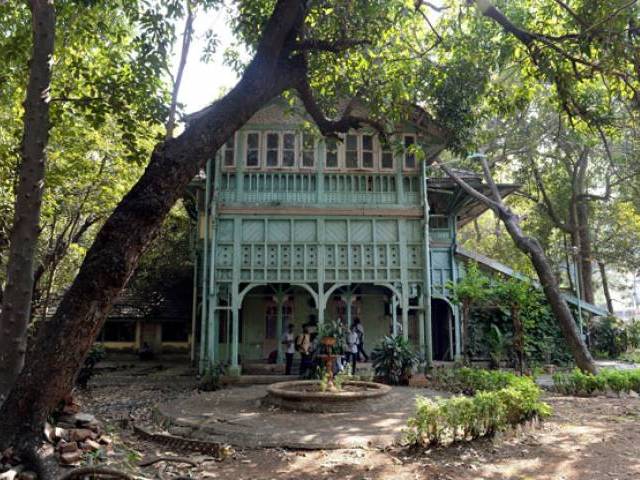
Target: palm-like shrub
393,359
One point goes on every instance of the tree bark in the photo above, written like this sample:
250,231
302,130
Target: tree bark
541,264
16,305
605,286
518,337
586,250
65,339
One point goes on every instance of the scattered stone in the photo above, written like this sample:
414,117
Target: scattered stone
60,434
90,445
64,447
70,458
105,440
28,475
12,473
83,419
81,434
49,432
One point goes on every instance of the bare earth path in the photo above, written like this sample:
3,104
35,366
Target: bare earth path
586,439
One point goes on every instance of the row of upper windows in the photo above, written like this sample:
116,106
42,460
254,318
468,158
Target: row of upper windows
294,150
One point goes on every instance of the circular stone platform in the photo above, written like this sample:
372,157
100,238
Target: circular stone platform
238,416
305,395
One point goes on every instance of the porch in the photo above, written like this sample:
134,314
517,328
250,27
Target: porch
262,313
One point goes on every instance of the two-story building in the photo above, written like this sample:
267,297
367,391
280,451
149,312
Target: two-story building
297,228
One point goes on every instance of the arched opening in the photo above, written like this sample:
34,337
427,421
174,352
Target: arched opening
442,330
260,309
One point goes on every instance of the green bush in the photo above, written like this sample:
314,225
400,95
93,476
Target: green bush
393,359
579,383
501,400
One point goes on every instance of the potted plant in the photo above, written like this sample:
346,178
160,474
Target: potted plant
331,333
394,359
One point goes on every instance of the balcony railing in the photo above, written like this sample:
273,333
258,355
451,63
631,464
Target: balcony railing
309,188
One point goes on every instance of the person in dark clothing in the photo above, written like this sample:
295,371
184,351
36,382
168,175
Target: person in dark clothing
303,346
289,348
360,332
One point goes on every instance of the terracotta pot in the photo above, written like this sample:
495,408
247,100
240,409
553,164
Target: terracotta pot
328,341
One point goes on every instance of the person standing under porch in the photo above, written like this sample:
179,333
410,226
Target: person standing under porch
352,347
360,333
303,345
289,348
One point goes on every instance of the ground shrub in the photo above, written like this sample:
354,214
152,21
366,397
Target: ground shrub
501,400
580,383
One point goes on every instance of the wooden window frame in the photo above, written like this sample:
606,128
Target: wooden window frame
280,152
259,149
224,153
405,153
338,155
314,150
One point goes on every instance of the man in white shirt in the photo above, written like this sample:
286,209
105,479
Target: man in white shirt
289,348
352,347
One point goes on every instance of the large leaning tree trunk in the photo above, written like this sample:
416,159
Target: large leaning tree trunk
16,304
534,250
61,343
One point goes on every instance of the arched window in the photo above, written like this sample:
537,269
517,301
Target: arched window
271,316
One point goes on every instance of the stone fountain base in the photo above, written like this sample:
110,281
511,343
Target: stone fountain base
306,396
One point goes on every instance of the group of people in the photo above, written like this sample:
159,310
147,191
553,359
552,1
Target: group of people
306,347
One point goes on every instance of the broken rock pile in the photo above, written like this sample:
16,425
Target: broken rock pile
76,434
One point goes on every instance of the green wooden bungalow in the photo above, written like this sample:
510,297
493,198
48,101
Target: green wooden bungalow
294,228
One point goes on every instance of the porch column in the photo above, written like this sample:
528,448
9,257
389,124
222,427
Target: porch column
235,337
394,314
348,298
421,330
212,330
205,265
279,317
458,329
426,290
405,316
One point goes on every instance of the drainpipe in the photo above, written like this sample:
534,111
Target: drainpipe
427,270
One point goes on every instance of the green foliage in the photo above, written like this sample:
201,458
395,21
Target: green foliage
501,400
579,383
473,289
210,382
499,344
608,336
393,359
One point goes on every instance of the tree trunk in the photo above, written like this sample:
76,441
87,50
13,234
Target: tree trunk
543,268
16,305
66,338
518,337
605,286
586,252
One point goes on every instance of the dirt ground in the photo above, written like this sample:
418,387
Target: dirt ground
585,439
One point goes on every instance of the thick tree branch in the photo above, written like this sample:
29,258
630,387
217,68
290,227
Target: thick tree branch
329,127
334,46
